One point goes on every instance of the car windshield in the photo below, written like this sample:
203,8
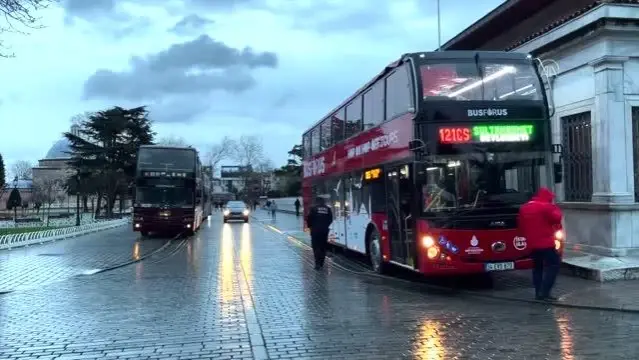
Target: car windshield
164,196
235,205
480,180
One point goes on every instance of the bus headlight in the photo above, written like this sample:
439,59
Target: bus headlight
428,241
245,212
226,212
433,252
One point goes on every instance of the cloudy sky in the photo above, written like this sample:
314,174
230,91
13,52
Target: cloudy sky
208,68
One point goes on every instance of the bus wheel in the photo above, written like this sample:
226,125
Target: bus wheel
144,233
375,251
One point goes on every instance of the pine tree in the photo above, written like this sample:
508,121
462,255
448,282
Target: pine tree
104,150
2,172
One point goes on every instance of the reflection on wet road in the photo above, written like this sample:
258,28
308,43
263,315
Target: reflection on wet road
242,291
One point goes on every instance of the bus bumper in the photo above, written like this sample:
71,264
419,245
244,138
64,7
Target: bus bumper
452,268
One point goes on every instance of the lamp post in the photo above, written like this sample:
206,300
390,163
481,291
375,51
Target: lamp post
15,206
439,27
77,198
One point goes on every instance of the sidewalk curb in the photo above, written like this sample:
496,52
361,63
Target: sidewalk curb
599,275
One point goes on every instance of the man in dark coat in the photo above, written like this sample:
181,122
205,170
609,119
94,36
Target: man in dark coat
319,220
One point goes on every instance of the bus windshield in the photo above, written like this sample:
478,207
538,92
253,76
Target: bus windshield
465,80
164,196
480,181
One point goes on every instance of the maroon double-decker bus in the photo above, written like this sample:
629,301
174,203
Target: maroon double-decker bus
170,190
426,166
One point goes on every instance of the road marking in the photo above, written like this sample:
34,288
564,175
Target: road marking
90,272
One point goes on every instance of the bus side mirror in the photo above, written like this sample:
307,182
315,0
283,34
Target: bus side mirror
558,171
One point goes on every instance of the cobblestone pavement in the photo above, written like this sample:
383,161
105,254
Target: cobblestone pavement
36,265
241,291
570,290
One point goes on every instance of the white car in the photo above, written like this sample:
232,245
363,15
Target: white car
236,210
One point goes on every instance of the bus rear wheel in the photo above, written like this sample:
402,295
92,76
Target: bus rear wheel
375,251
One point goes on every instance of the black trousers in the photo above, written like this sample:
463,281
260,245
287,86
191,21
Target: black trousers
319,242
545,270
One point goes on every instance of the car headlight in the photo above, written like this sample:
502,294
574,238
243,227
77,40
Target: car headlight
226,212
245,212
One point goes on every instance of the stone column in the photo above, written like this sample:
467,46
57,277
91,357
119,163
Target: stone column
611,134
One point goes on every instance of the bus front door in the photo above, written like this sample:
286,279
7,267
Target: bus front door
398,191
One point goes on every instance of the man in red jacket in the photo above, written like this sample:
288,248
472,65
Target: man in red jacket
538,221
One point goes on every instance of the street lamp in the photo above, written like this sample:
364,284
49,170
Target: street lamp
14,200
77,198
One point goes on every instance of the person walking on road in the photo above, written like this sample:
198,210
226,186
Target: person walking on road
297,207
273,208
538,221
319,220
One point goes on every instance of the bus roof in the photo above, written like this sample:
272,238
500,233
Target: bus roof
168,147
425,56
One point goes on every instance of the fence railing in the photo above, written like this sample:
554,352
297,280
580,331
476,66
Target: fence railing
38,237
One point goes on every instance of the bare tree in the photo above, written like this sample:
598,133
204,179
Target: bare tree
220,151
249,150
22,168
172,141
18,15
265,166
48,189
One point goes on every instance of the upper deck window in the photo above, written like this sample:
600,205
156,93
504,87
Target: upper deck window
487,81
167,159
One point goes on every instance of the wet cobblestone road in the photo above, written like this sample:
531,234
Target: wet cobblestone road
242,291
36,265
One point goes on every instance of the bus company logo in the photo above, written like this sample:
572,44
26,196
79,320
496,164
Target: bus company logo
520,243
487,112
378,143
314,167
474,249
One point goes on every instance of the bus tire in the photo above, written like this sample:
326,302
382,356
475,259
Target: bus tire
374,249
144,234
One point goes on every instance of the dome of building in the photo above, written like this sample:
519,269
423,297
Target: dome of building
59,150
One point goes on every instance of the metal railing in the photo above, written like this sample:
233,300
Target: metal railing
38,237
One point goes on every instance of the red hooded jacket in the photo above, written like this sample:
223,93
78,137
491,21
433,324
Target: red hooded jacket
538,220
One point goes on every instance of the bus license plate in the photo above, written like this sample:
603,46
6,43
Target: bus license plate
503,266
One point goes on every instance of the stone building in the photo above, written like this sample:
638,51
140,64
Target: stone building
590,53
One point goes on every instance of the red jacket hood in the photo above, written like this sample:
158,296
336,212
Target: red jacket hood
544,195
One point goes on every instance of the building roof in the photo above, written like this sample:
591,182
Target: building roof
21,185
59,150
513,12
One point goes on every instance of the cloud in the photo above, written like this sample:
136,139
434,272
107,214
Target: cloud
190,23
83,8
198,66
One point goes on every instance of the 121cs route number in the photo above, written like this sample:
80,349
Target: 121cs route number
502,266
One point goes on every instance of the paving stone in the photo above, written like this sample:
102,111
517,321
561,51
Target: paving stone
241,291
37,265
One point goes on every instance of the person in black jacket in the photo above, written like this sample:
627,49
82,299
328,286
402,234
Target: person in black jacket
319,220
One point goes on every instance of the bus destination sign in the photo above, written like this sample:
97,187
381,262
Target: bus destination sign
485,134
165,174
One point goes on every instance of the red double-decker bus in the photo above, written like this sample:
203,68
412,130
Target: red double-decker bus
171,190
426,166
